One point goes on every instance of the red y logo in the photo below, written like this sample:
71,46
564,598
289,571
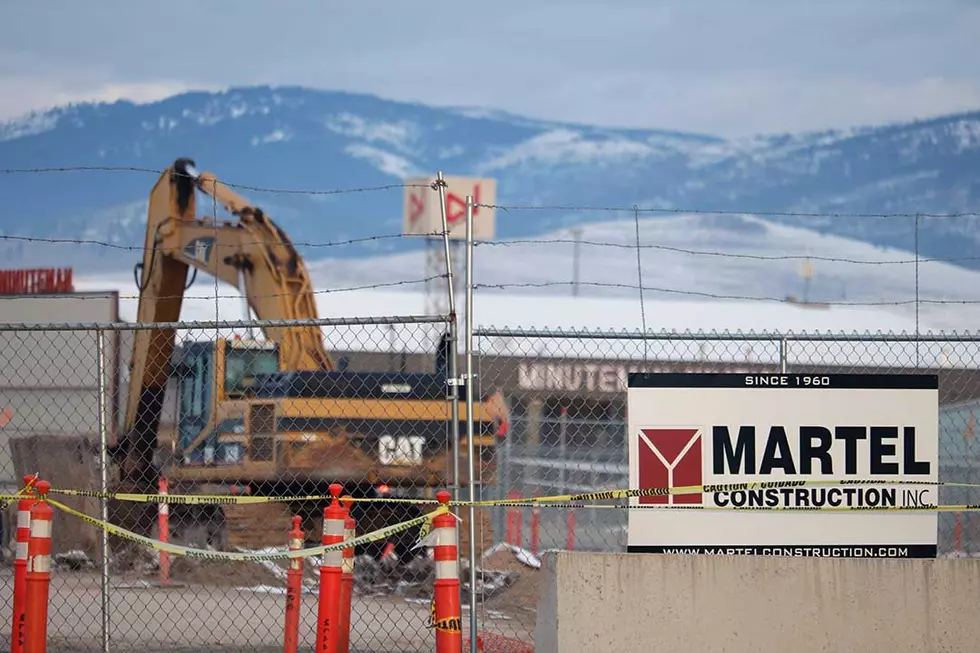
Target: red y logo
669,457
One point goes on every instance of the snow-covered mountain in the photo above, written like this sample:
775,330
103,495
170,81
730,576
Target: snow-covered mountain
295,138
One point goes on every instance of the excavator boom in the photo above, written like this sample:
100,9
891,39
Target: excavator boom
251,253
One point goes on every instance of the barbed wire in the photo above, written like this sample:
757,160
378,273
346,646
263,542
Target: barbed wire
516,242
718,253
709,295
216,245
738,212
634,212
250,187
325,291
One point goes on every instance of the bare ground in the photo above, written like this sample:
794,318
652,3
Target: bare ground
217,606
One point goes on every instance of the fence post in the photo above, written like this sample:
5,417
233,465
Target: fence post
38,572
103,425
23,536
294,587
783,355
347,578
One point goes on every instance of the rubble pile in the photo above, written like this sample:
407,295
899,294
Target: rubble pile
488,583
74,560
506,576
388,577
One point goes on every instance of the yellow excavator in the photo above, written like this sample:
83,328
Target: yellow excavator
275,416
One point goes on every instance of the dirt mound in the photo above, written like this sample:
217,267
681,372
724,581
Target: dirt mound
522,592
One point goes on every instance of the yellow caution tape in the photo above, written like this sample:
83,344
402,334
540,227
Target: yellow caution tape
217,499
7,499
451,625
177,549
923,508
698,489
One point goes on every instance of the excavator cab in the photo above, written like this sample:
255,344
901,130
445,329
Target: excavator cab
209,374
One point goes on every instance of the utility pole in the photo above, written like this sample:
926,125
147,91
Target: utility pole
577,234
806,271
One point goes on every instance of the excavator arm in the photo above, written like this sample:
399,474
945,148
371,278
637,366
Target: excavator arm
251,251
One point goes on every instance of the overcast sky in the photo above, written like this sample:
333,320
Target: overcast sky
728,67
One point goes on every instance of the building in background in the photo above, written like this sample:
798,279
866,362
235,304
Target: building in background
49,385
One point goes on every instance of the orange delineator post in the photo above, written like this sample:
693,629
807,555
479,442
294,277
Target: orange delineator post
163,525
23,535
38,573
570,545
445,591
328,625
535,525
514,519
957,533
346,578
294,586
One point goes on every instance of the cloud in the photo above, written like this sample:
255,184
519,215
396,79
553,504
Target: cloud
748,103
22,94
715,66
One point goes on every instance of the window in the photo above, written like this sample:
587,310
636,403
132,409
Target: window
241,365
193,386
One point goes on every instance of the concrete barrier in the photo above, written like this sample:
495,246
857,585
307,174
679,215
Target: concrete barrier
649,603
66,461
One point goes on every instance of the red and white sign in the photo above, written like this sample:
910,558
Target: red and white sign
769,445
422,216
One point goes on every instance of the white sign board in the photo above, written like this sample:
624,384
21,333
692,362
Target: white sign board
720,428
422,215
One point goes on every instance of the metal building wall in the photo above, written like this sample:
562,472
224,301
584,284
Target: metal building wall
48,379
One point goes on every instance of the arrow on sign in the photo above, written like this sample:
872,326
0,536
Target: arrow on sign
453,216
416,207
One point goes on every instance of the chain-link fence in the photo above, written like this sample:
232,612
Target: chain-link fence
241,410
219,410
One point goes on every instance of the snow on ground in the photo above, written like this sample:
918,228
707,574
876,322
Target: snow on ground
694,256
759,324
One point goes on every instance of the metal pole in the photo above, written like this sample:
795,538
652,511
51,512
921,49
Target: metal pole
783,355
246,311
562,448
100,366
469,418
453,340
577,231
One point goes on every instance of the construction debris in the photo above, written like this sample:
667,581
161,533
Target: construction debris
506,578
73,560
